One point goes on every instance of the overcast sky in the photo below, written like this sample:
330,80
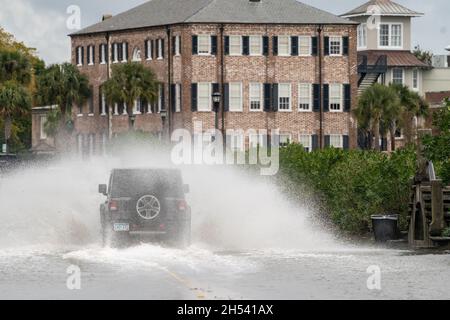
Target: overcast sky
42,23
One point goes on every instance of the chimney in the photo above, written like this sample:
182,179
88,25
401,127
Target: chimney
106,17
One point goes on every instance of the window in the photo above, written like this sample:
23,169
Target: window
80,56
91,104
255,97
255,140
160,99
204,44
284,97
391,35
284,45
335,46
335,97
304,96
397,76
124,109
337,141
304,46
103,54
160,49
116,109
137,106
415,79
306,141
91,55
149,50
103,105
116,52
362,35
177,45
124,52
235,45
236,141
43,121
178,97
255,45
285,139
235,96
204,97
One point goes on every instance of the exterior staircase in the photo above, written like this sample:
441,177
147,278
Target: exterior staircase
369,74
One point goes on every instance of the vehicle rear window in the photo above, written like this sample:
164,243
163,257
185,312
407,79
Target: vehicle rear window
130,183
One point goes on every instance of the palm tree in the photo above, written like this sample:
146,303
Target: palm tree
413,106
376,106
14,65
14,100
128,83
62,85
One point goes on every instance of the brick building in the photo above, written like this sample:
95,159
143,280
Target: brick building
279,64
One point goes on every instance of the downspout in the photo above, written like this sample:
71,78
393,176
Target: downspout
108,76
169,79
319,44
222,82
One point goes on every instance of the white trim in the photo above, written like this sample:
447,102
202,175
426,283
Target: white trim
341,46
289,46
310,97
341,141
177,46
417,89
390,47
310,137
341,108
290,97
241,47
403,75
261,97
365,14
362,28
250,46
209,45
209,108
241,108
309,44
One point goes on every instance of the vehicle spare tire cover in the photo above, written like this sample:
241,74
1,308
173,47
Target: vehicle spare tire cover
148,207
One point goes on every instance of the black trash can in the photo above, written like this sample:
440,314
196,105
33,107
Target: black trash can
385,227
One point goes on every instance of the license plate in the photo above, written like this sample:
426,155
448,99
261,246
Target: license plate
121,227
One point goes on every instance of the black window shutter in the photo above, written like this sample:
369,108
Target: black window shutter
120,51
345,46
327,46
174,41
294,46
194,100
180,92
163,97
275,46
113,53
154,49
226,98
173,97
93,54
100,100
101,50
227,45
275,97
146,48
326,97
266,45
314,46
315,142
327,141
246,45
82,55
316,93
88,54
347,97
106,53
162,48
346,141
215,88
213,45
267,97
194,45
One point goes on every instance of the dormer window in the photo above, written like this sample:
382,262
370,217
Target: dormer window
362,35
391,35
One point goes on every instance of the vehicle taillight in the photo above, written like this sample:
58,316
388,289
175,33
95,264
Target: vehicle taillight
182,205
113,205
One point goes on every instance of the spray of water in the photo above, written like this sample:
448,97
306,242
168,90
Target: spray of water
58,205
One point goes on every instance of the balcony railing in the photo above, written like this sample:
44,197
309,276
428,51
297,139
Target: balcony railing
380,66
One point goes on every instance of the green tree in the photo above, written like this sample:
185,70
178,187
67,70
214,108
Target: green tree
14,100
64,86
128,83
377,105
437,148
424,56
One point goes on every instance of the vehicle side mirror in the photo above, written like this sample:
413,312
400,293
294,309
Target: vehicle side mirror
186,188
103,189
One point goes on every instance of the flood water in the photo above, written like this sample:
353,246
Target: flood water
248,243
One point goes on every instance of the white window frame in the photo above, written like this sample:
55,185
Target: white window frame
309,137
335,39
362,36
80,56
403,75
204,36
177,46
116,52
42,122
91,55
252,97
103,105
103,57
116,109
340,145
300,98
285,135
160,49
200,107
288,53
237,39
178,97
309,39
124,52
252,144
137,107
125,109
236,141
415,80
390,35
239,107
336,99
148,44
260,51
281,97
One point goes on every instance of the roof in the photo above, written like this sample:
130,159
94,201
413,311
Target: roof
386,8
437,98
394,58
167,12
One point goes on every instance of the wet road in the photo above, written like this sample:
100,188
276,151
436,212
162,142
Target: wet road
152,272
